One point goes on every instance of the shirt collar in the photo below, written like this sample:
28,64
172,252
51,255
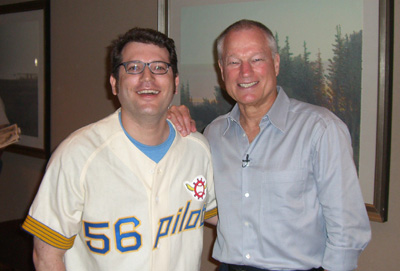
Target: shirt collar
277,114
279,111
231,117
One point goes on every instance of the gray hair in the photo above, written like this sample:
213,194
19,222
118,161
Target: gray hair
247,24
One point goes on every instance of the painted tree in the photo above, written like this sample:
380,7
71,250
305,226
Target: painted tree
345,82
286,71
186,98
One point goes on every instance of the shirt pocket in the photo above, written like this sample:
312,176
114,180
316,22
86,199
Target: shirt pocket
283,195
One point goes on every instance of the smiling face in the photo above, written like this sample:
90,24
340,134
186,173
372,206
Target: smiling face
248,69
145,94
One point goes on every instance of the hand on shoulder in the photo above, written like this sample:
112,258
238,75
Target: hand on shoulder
180,117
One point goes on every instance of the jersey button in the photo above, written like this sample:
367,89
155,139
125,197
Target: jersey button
247,195
248,256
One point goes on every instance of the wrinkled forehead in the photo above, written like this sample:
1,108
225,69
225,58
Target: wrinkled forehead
245,39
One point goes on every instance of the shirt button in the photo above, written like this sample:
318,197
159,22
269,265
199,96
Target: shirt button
247,195
244,135
246,224
157,199
248,256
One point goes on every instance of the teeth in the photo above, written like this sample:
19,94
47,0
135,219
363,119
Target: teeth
247,85
148,91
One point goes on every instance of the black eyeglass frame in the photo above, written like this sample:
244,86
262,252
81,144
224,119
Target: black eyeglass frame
144,66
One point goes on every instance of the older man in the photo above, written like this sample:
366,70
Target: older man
286,184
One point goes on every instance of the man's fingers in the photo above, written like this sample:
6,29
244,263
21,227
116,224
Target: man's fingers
180,117
193,126
189,124
175,121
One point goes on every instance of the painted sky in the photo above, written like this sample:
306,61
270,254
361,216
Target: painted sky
196,24
313,21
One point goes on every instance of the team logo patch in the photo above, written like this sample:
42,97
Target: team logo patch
197,188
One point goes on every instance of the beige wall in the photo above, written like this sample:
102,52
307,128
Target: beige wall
382,253
80,33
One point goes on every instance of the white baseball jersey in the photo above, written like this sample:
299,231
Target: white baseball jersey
114,208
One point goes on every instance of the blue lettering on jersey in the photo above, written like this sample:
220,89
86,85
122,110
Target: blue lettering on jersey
191,223
128,239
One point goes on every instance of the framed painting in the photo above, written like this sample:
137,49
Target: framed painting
337,54
24,74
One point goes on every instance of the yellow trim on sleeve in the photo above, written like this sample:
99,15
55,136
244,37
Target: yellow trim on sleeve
46,234
211,213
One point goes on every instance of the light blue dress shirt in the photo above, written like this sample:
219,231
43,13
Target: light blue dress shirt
289,200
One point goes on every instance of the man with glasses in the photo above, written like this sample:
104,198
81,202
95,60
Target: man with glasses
127,192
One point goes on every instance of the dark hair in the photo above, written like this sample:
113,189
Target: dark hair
142,35
247,24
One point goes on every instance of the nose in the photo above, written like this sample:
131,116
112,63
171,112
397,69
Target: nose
147,75
246,69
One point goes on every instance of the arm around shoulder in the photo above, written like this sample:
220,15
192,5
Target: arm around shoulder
180,117
47,257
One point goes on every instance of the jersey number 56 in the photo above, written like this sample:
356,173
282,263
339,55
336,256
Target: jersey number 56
126,241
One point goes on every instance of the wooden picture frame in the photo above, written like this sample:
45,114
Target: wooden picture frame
177,17
25,74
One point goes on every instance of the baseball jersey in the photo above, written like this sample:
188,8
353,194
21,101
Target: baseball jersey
113,208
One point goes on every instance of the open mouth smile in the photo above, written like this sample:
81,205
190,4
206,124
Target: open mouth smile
148,91
247,85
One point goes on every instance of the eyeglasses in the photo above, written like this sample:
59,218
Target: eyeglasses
137,66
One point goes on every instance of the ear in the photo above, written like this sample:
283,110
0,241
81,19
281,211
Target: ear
220,65
176,84
277,61
113,83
